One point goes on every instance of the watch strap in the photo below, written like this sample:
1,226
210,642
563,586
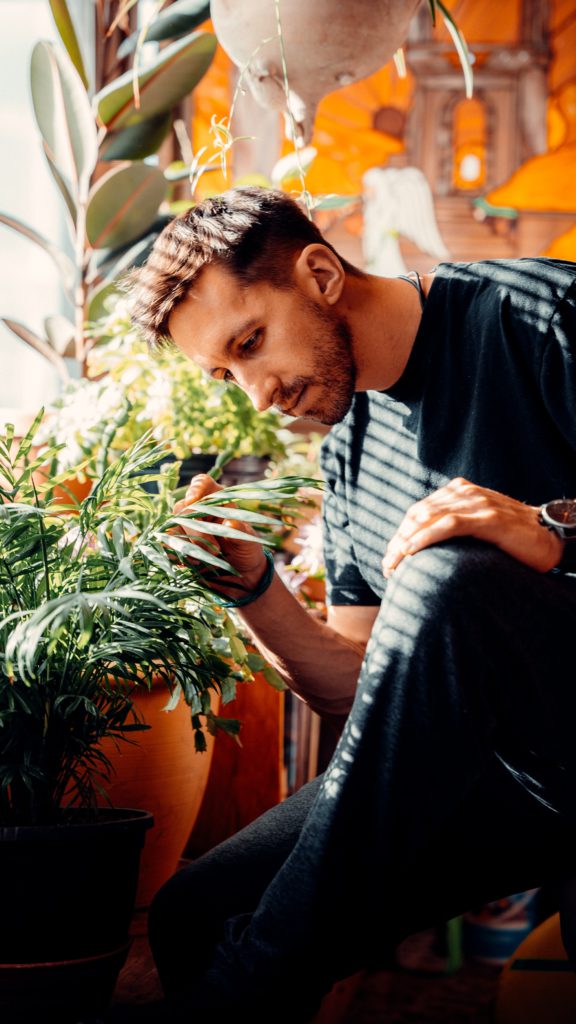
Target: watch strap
568,561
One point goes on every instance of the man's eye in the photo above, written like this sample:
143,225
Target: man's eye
228,377
250,342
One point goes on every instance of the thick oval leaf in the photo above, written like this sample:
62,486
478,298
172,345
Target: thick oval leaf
60,332
138,141
104,263
63,186
64,115
162,85
128,258
62,261
39,345
123,203
181,17
97,305
67,33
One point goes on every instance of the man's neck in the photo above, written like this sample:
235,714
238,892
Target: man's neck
384,315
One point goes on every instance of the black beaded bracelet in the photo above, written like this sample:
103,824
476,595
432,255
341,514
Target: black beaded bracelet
239,602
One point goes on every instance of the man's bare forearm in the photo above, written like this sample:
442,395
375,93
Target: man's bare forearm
316,662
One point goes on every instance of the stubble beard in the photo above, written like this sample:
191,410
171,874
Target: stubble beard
334,372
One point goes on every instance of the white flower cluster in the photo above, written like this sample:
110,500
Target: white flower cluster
78,420
309,539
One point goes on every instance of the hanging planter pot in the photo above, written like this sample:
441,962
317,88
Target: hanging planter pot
67,893
326,45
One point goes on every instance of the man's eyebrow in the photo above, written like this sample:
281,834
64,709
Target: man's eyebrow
246,328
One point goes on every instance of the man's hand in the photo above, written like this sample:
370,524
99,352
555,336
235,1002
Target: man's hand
247,557
462,509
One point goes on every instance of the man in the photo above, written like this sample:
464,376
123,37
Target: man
451,604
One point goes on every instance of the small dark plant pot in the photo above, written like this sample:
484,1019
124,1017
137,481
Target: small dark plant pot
244,470
238,471
67,893
191,466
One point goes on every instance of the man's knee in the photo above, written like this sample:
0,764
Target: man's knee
452,571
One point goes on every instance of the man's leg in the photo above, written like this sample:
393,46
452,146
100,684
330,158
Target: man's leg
468,659
187,916
465,672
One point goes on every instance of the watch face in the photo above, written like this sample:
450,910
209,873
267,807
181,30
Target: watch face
562,511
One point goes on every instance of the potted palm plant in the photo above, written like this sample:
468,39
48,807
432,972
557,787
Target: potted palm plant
93,606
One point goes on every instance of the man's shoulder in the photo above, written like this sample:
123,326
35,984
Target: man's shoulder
534,276
532,286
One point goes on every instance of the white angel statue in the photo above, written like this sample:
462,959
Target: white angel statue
397,201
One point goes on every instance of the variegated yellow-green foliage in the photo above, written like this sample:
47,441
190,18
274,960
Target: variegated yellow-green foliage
129,391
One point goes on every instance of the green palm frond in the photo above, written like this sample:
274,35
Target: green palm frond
101,598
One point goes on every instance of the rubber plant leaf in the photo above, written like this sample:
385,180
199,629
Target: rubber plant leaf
123,203
104,261
60,332
97,306
62,261
67,33
178,19
138,140
161,85
63,186
133,256
64,115
40,346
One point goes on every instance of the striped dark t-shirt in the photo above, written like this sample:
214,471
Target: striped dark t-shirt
489,393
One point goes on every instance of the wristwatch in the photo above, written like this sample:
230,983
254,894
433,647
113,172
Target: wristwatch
560,517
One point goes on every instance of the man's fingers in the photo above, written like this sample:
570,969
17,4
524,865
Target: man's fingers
200,486
464,509
443,528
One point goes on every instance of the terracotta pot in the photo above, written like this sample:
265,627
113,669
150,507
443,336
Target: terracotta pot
160,772
73,487
327,44
315,588
245,780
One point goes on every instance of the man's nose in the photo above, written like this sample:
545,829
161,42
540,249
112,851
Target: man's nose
260,393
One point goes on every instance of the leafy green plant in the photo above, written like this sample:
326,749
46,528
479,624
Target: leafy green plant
96,147
96,601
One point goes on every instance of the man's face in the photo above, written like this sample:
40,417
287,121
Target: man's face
278,345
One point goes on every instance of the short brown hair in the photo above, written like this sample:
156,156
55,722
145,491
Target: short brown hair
255,232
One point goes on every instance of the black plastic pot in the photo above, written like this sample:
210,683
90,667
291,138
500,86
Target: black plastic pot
244,470
67,893
238,471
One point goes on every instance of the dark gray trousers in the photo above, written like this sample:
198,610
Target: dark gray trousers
453,784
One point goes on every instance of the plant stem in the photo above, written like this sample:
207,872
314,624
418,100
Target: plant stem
301,174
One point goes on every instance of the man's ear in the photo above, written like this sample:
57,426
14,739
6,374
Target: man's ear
319,272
